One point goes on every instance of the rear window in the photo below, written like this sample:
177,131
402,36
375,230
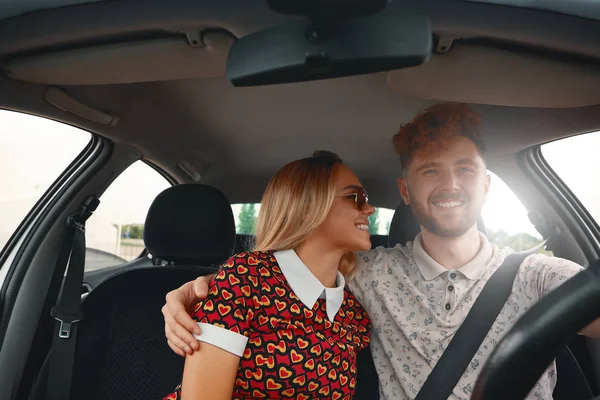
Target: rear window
246,215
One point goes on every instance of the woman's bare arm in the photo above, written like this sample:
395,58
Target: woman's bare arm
209,374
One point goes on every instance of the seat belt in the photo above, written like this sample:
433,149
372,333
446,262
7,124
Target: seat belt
67,312
469,336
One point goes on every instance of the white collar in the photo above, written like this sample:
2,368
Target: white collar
430,269
306,286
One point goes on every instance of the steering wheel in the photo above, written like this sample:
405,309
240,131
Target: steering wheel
529,347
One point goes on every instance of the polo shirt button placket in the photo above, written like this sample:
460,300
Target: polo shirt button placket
452,276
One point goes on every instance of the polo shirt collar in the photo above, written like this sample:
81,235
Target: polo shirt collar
430,269
306,286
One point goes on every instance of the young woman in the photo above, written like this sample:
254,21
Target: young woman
278,322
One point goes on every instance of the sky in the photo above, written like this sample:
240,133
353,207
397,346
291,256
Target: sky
34,151
576,161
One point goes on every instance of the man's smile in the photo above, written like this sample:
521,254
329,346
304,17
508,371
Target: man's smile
448,204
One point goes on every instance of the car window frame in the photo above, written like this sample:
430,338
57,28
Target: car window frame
572,213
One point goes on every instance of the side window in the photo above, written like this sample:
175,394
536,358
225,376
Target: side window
506,219
34,151
575,160
114,233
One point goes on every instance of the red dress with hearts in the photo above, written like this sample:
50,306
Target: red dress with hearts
292,351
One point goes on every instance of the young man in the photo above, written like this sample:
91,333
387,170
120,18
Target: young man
417,296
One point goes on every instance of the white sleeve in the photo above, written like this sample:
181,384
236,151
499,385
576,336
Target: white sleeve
223,338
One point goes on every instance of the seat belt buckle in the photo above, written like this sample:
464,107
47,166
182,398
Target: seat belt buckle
66,323
64,331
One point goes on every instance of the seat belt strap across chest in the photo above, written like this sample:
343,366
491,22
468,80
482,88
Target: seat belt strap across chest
469,336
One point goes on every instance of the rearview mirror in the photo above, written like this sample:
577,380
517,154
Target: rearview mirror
304,51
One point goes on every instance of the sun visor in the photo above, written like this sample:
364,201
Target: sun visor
201,56
485,75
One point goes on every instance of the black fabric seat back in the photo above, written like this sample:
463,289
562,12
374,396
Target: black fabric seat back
121,351
244,243
190,224
367,381
379,241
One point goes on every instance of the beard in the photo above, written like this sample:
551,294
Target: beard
447,230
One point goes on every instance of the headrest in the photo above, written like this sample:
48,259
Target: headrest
404,226
190,224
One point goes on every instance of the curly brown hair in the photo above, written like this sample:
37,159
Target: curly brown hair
430,130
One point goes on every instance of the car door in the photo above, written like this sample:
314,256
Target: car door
571,168
41,161
50,168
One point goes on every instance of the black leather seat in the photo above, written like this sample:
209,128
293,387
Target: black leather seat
121,350
572,383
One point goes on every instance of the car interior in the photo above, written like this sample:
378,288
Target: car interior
190,88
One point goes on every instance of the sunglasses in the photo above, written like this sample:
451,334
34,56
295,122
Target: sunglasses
361,198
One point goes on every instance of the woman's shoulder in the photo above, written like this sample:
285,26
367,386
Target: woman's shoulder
244,273
253,258
249,263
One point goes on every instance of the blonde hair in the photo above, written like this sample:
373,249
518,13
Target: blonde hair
296,201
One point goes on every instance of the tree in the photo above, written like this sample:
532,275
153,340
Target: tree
132,231
499,238
247,218
518,242
374,222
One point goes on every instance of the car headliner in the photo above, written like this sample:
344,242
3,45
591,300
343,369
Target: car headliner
582,8
235,138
